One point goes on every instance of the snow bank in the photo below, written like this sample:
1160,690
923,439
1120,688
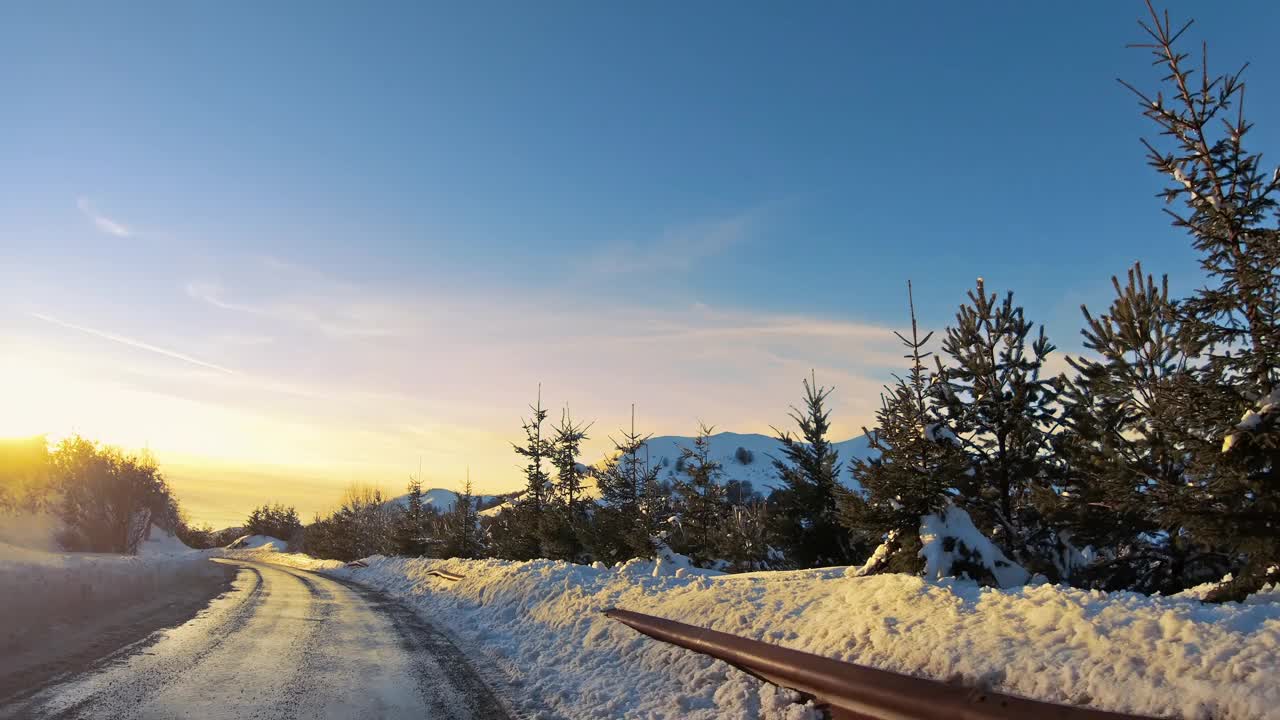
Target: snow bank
35,531
953,547
268,553
539,623
255,542
43,588
161,542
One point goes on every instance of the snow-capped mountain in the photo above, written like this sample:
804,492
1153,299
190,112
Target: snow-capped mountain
745,457
445,500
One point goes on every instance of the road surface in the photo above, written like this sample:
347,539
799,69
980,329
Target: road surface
283,643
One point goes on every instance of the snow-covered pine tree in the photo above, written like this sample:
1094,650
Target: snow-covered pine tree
1228,405
411,526
807,522
1125,486
462,540
513,533
996,406
561,527
631,500
918,467
566,446
621,480
745,532
516,533
699,502
536,450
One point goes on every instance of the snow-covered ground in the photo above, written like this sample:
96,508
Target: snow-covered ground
540,624
161,542
256,542
39,588
32,531
267,554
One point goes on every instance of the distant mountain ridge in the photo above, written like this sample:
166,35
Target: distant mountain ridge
730,449
445,500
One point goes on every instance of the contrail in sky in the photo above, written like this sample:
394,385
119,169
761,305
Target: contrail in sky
132,343
102,222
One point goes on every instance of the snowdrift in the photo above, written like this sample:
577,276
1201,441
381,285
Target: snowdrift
539,623
32,531
953,547
258,542
270,555
161,542
38,589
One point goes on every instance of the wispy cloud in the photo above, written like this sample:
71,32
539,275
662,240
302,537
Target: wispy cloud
131,343
367,377
102,222
471,354
336,310
676,248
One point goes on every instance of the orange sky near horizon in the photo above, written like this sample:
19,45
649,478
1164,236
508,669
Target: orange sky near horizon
231,432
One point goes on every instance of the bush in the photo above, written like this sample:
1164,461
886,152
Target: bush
744,456
275,521
363,525
108,499
199,537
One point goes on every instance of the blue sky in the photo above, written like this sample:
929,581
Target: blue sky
349,219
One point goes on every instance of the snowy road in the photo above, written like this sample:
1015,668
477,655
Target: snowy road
284,643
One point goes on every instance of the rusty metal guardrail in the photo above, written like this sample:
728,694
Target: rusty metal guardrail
854,692
444,574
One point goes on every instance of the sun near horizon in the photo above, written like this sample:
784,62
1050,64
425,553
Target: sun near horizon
223,461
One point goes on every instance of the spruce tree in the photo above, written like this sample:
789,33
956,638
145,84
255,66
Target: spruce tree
917,468
561,527
632,499
745,532
808,524
700,501
516,533
1125,486
363,525
994,404
1228,402
536,450
462,541
411,526
513,532
566,446
274,520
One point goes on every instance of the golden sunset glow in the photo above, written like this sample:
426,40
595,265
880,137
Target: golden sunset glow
677,361
231,426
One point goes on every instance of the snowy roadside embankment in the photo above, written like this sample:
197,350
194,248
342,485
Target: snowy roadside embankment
41,589
258,542
540,623
267,553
